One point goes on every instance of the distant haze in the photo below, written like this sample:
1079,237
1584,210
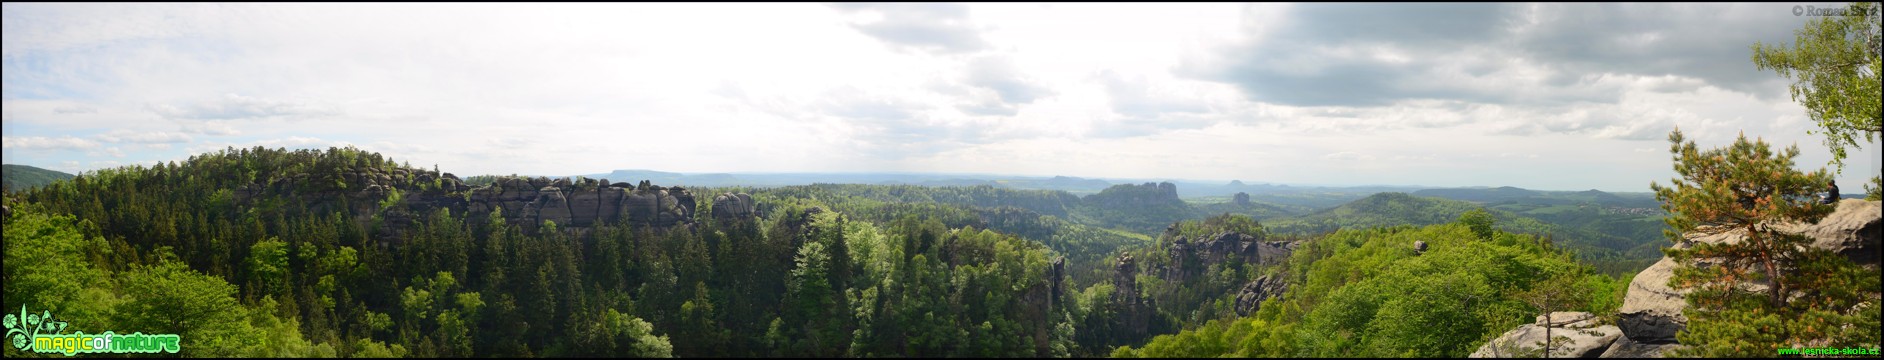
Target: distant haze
1537,96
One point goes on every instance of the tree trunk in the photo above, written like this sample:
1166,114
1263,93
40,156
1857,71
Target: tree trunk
1547,339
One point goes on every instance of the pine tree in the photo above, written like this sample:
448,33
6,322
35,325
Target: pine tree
1748,189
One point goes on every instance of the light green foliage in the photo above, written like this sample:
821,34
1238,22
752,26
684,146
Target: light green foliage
281,338
623,335
367,348
1480,222
1834,62
1365,293
46,256
171,298
1615,248
268,267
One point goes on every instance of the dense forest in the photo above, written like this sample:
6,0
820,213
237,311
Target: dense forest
343,252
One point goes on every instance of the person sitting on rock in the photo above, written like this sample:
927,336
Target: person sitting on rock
1831,195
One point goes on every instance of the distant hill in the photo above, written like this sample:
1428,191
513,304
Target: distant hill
1614,242
1146,209
1240,204
1512,195
1497,194
20,177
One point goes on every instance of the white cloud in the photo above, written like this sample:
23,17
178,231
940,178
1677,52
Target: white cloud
41,142
1096,90
208,127
1348,156
233,106
158,137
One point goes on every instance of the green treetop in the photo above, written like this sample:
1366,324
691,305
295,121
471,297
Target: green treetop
1834,62
1811,295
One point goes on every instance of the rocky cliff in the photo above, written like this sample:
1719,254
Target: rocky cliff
399,196
1191,259
1651,313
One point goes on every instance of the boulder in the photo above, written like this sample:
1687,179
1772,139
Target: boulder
640,206
550,205
1576,319
1625,347
1852,230
1251,297
1586,338
585,207
684,199
733,206
1651,311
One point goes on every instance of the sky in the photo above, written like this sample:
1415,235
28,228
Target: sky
1539,96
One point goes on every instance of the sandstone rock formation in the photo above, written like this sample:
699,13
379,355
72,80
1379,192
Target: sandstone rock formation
1651,312
729,206
1125,281
1056,275
1135,312
1251,297
1624,347
525,202
1191,259
1586,337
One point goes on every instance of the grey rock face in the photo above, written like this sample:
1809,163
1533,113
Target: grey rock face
1629,348
1586,339
1651,311
728,206
1251,297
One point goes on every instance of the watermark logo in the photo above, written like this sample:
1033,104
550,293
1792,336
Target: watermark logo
1809,10
40,333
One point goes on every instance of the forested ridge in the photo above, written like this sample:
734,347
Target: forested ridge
345,253
331,264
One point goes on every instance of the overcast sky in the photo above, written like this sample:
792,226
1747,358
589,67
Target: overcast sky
1541,96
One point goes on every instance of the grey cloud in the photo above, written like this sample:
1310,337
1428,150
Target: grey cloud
998,74
1705,41
1132,126
927,27
1133,97
991,86
1143,112
1412,24
892,128
1480,52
